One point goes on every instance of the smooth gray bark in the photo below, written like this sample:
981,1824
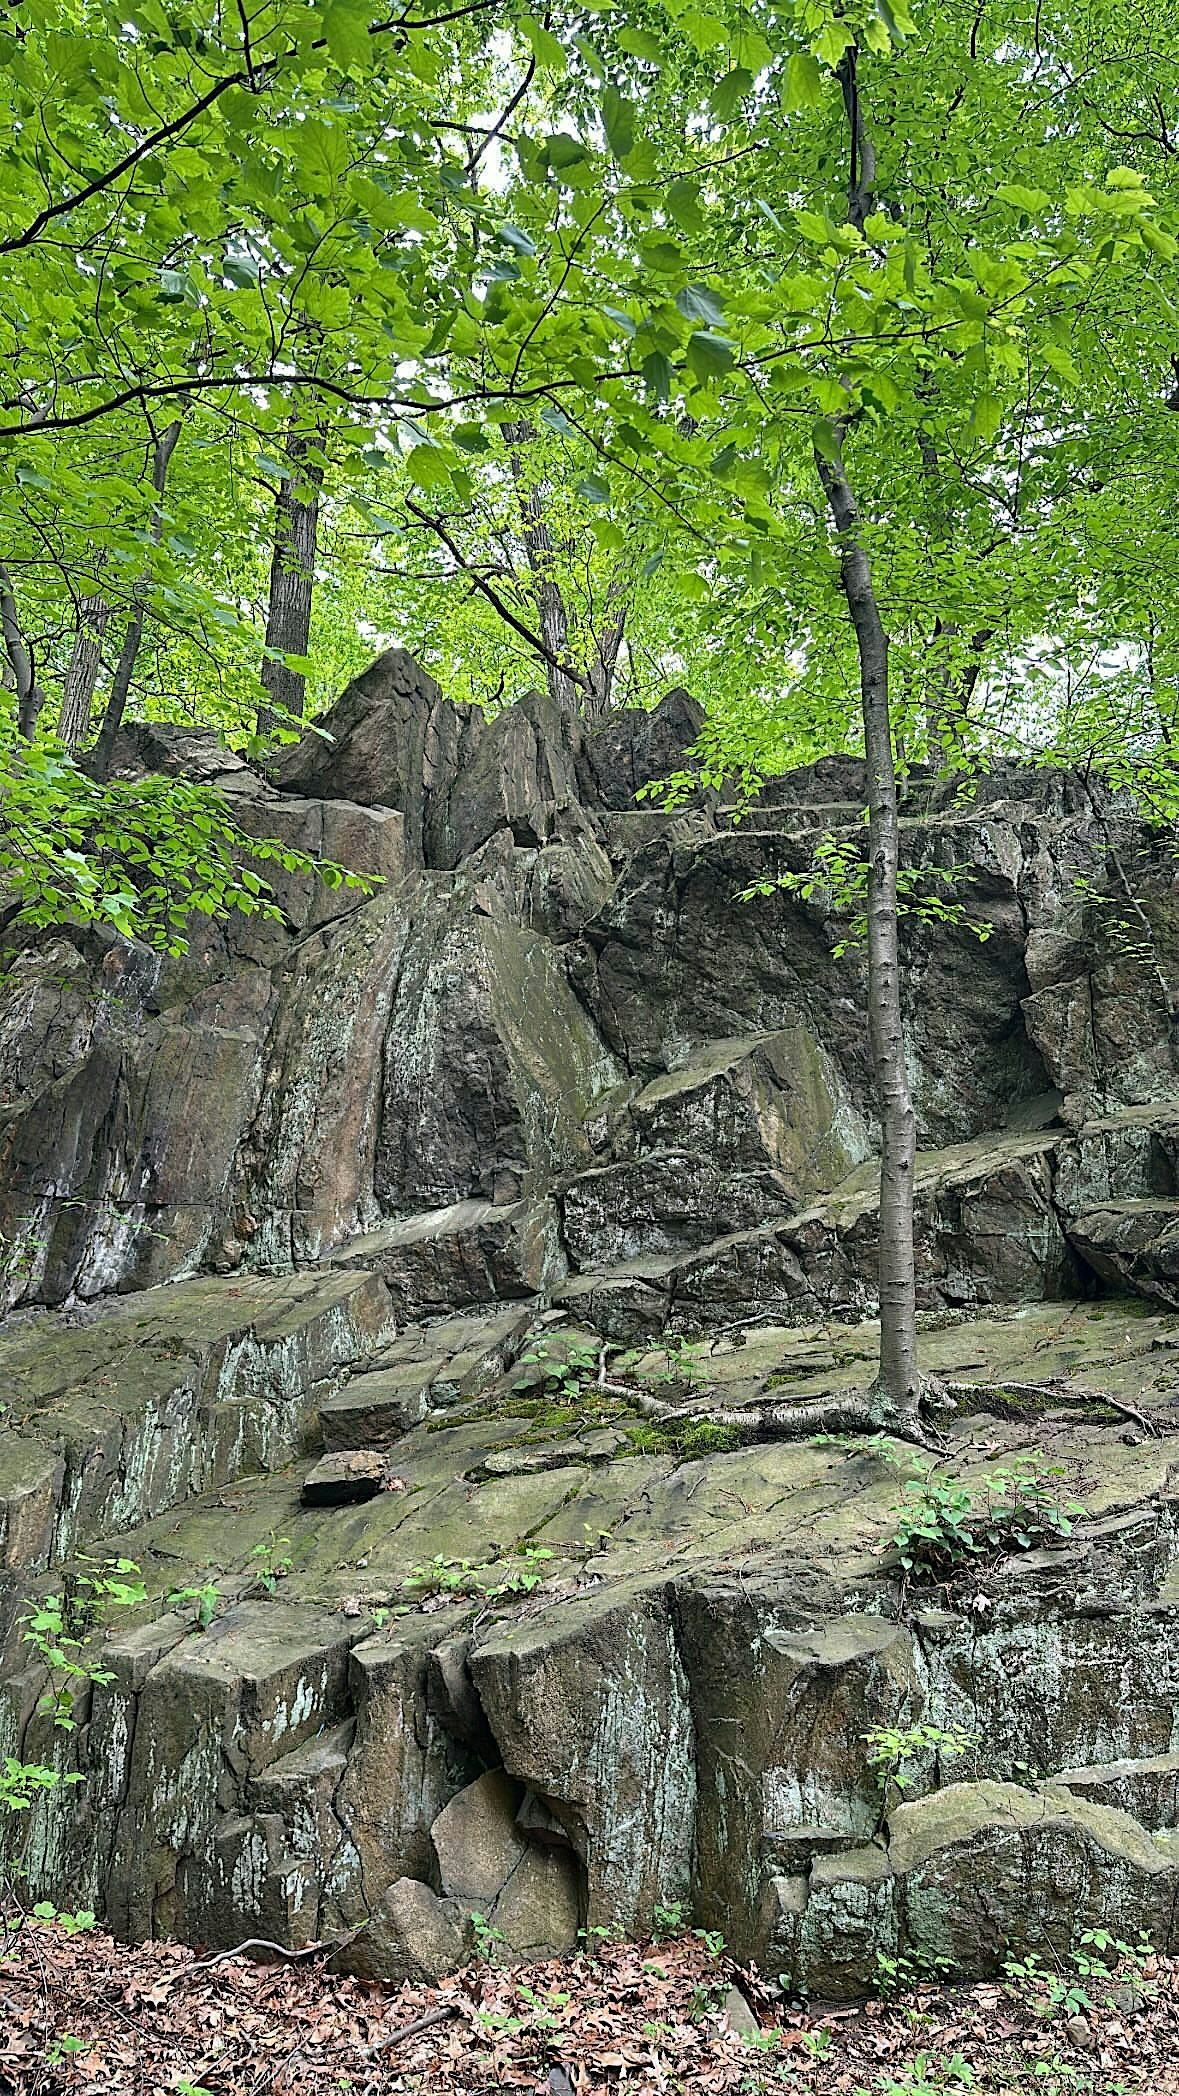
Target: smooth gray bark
899,1381
22,673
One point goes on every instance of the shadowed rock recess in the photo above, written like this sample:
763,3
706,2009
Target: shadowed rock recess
323,1246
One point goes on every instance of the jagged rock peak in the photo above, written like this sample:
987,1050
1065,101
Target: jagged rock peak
457,776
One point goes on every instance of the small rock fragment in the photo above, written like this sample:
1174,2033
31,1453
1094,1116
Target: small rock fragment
344,1479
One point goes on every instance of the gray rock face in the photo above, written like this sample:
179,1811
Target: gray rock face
410,1167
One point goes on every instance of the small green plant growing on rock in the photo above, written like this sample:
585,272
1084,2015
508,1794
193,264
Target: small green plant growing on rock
895,1975
459,1576
567,1365
22,1781
1121,1974
943,1525
273,1559
893,1749
57,1628
204,1600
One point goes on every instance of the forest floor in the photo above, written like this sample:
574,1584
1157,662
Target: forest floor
80,2014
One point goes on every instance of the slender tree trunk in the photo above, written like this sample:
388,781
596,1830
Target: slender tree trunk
292,579
81,675
21,671
898,1388
552,616
899,1382
608,644
116,704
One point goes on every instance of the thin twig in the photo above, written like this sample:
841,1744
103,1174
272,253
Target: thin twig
281,1950
411,2030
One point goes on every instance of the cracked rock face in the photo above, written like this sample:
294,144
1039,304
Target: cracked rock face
438,1626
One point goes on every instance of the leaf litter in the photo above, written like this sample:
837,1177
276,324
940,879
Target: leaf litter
81,2015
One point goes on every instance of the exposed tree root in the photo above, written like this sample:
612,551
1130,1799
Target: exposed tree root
849,1411
856,1411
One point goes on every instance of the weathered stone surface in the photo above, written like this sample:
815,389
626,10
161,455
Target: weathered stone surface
527,1893
169,1393
573,1664
591,1709
1134,1244
411,1935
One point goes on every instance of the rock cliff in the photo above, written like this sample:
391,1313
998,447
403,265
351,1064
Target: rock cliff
477,1637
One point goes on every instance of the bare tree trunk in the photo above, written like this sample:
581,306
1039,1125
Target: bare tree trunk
292,579
116,704
608,644
899,1382
81,675
21,671
896,1395
552,617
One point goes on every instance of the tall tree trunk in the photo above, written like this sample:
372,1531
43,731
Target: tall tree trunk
81,675
608,644
116,704
21,671
552,616
292,578
899,1383
897,1392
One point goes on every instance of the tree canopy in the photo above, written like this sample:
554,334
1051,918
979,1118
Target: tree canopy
555,319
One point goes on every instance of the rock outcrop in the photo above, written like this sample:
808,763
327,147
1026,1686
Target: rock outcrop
443,1639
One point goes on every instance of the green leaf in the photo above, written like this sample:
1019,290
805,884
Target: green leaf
512,237
832,41
618,122
729,93
986,417
657,375
593,488
563,151
705,31
697,302
241,269
804,82
683,202
547,50
428,467
1032,201
825,440
641,44
346,31
710,353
